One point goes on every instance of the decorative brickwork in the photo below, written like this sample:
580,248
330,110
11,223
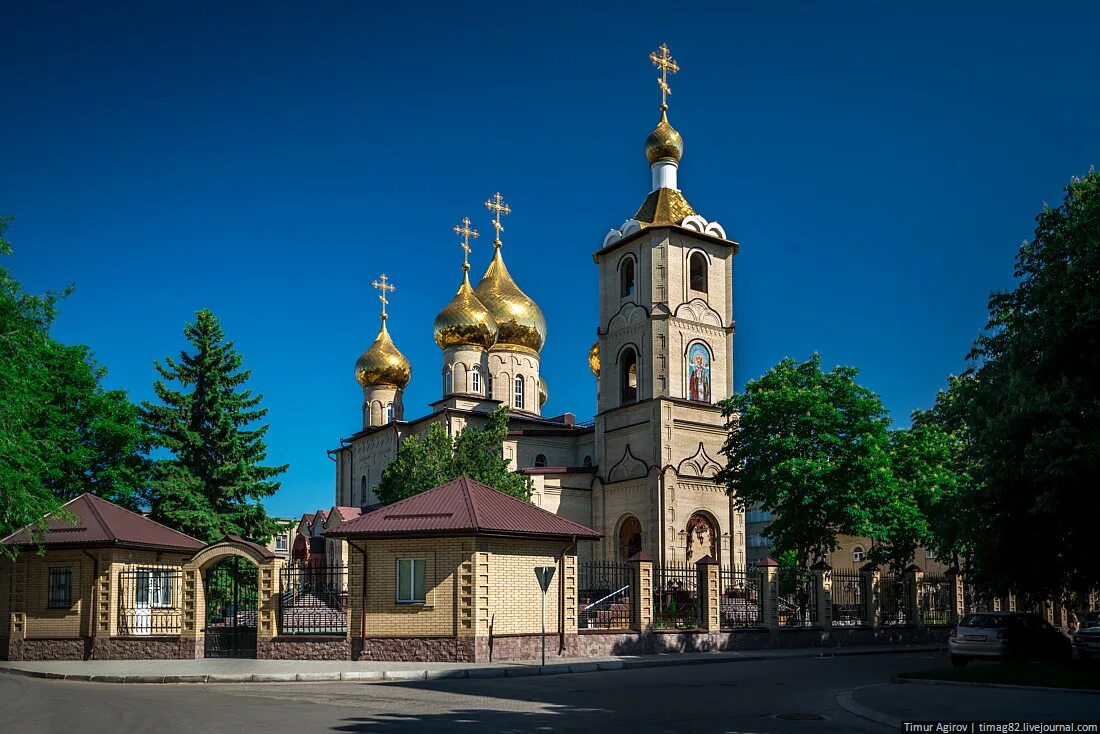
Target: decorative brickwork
141,648
525,647
292,647
48,649
418,649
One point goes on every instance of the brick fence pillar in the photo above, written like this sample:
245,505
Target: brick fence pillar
911,584
769,608
707,569
823,593
872,596
956,604
641,592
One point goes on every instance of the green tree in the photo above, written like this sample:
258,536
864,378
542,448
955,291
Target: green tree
61,433
1033,412
209,485
812,448
423,462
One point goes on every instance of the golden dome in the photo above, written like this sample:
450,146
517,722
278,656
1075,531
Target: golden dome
664,143
383,364
594,359
544,392
519,319
465,321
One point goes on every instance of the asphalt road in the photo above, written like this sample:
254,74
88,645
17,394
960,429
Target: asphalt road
773,696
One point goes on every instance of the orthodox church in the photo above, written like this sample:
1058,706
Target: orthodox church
642,471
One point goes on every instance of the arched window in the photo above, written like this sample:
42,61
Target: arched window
475,380
628,376
630,538
540,460
389,412
626,277
857,555
363,490
588,461
519,392
447,381
697,268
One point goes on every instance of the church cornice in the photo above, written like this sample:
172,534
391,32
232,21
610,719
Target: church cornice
735,246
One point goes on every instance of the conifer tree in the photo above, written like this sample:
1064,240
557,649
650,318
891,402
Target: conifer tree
209,486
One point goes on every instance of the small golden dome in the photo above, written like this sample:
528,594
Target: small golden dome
519,319
544,392
382,364
465,321
664,143
594,359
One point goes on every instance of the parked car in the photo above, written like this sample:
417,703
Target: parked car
1087,639
1007,636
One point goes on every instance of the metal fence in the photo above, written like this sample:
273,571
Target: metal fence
849,595
149,601
894,595
739,592
934,598
313,600
796,598
675,596
604,595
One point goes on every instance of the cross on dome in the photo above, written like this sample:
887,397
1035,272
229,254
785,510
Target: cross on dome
499,208
384,286
466,233
663,61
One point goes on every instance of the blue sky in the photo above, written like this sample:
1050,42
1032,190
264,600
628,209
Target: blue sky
879,163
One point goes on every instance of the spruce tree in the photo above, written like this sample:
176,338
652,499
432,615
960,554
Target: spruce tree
209,486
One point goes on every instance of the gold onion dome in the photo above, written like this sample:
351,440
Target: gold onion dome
382,364
519,319
594,359
664,143
544,391
465,321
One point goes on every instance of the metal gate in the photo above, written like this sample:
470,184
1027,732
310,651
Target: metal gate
231,609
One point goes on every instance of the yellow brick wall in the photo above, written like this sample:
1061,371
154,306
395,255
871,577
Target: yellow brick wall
42,621
5,596
515,598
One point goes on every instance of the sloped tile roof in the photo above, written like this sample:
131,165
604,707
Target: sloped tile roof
462,507
343,514
99,522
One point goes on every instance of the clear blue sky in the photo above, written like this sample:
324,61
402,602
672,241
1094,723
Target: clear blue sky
879,163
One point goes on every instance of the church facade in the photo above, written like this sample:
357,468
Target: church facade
642,472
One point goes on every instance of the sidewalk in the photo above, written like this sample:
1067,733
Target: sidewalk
312,671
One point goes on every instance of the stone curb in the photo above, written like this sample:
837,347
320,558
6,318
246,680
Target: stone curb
512,671
1007,686
847,701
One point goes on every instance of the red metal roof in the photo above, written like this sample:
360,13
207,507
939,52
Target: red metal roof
343,514
99,522
462,507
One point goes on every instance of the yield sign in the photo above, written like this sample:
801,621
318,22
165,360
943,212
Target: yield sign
544,574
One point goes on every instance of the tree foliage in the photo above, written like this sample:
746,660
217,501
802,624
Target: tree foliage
209,484
812,447
61,433
424,462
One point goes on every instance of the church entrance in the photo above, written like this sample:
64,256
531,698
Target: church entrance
630,538
231,608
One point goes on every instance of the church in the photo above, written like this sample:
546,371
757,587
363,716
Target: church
641,472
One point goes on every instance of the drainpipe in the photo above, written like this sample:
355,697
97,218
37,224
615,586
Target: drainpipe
363,601
561,596
93,606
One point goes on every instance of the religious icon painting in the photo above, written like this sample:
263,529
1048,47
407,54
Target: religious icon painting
698,373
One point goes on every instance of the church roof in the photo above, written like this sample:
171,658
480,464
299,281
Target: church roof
96,521
664,206
462,507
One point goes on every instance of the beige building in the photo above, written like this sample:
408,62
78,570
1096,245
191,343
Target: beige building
641,473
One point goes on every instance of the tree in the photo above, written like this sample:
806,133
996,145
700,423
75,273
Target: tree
424,462
811,447
61,433
209,485
1033,412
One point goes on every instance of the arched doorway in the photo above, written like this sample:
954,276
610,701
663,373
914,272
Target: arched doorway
630,537
232,614
702,537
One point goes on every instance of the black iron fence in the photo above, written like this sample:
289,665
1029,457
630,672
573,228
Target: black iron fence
849,596
894,595
739,598
675,596
796,597
149,601
604,595
934,598
313,600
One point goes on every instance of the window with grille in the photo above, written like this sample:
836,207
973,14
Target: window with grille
410,580
60,593
154,587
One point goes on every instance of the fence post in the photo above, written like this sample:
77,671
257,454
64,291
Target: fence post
913,612
769,608
706,570
872,596
641,592
823,593
956,601
1011,603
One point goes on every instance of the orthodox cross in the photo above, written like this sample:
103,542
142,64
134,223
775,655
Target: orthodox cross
499,208
663,61
383,285
466,233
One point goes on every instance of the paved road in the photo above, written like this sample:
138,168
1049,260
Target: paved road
773,696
